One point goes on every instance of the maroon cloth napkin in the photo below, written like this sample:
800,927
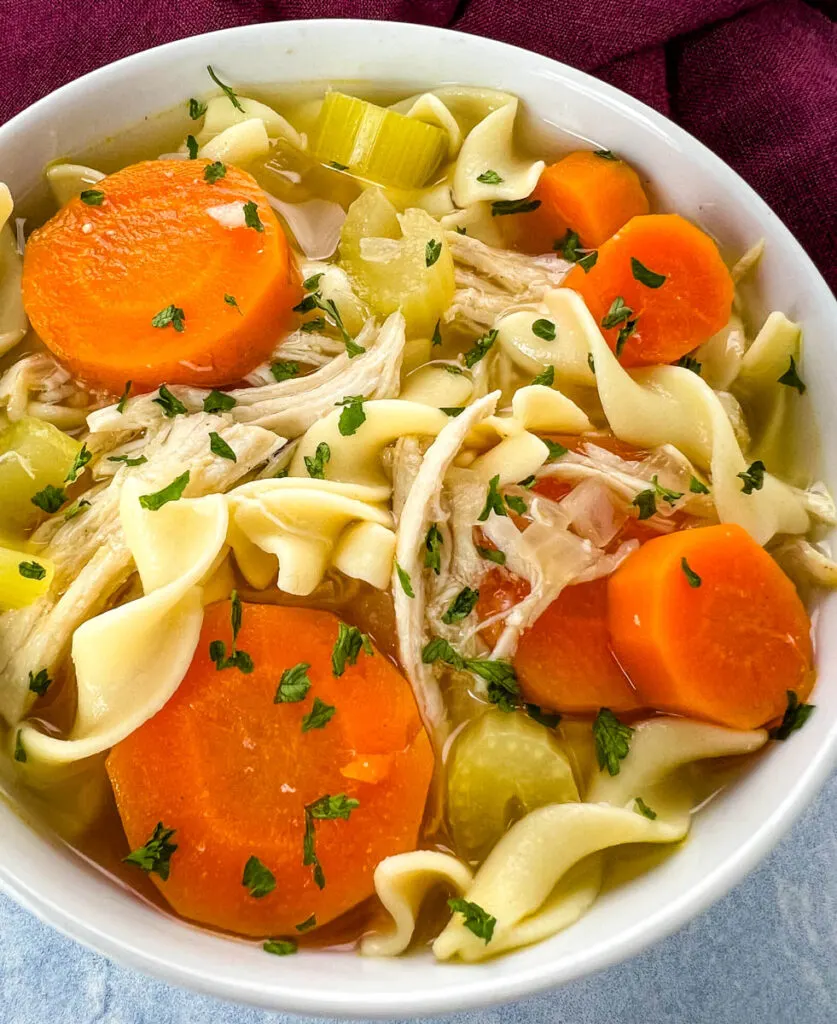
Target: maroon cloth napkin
756,80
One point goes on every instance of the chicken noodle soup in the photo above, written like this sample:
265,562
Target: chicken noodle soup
398,526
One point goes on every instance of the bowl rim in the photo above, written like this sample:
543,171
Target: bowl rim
487,989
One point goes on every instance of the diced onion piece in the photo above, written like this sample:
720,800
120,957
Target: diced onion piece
377,144
19,582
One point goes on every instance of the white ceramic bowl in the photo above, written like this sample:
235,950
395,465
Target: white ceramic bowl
737,829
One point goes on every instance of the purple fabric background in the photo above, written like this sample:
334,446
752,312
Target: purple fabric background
756,80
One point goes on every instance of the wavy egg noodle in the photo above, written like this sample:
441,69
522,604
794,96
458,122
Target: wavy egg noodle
13,321
66,181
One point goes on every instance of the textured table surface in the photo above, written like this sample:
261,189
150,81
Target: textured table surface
765,954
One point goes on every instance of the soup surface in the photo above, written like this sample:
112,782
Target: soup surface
403,524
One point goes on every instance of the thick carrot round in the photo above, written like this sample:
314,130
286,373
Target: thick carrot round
659,288
590,194
707,625
233,772
157,277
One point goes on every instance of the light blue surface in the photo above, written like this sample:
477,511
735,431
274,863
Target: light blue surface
765,954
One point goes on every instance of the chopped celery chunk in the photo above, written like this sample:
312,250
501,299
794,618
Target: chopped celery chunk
503,766
23,578
375,143
398,261
33,454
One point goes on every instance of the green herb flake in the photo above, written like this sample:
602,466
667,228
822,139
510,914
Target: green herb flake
690,363
120,405
641,807
217,401
156,855
605,154
171,316
528,482
668,496
624,335
556,450
590,362
307,924
404,580
350,642
218,446
284,371
92,197
503,689
127,460
545,718
310,283
20,750
691,576
796,715
172,492
618,313
327,808
76,509
460,230
352,415
439,649
753,477
214,172
170,405
316,464
196,109
504,207
569,246
39,682
545,377
791,379
646,502
338,166
489,178
83,456
218,649
437,335
251,216
491,555
258,880
319,716
544,329
432,252
294,684
645,276
433,549
192,147
481,347
452,410
493,501
476,919
612,739
50,499
697,486
31,570
228,92
280,947
461,606
516,504
317,323
589,261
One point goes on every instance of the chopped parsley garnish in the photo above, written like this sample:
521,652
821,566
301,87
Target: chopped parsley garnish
432,252
231,96
570,248
545,377
170,405
796,715
619,312
76,509
218,446
92,197
642,808
503,689
171,316
50,499
544,329
283,371
612,739
460,230
120,405
328,306
307,924
404,580
589,261
537,713
217,401
493,501
293,685
453,370
461,606
452,410
140,460
438,649
196,108
192,146
327,808
39,682
172,492
528,482
218,649
310,283
258,880
623,336
503,207
491,555
555,450
348,645
693,579
481,346
79,462
437,335
690,363
669,496
316,323
31,570
476,920
352,415
590,362
20,750
433,549
605,154
156,854
790,378
516,504
251,216
697,486
645,276
753,477
338,166
646,502
489,178
319,716
316,464
280,947
214,172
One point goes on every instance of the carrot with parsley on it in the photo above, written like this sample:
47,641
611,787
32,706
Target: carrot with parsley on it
133,280
288,764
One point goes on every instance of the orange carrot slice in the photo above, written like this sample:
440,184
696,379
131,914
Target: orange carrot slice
707,625
158,277
659,288
233,772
